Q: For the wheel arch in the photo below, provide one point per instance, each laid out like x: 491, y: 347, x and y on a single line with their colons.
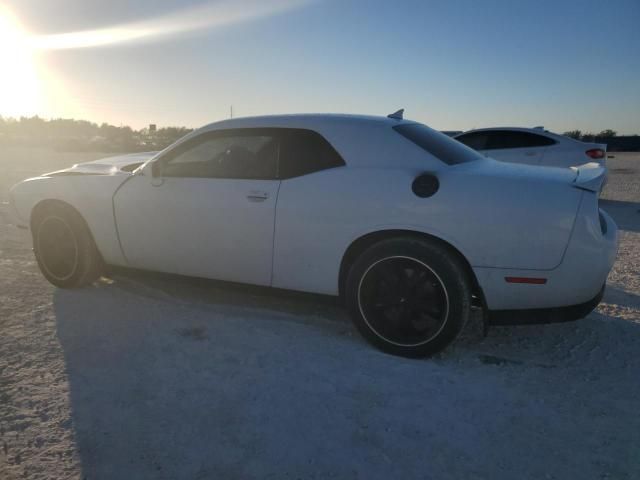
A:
x: 42, y: 205
x: 359, y: 245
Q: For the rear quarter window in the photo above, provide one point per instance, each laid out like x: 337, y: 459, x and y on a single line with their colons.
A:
x: 439, y: 145
x: 304, y: 151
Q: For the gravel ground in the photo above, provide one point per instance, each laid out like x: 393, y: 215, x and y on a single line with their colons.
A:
x: 157, y: 377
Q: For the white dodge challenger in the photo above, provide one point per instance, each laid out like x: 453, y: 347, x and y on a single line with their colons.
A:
x: 412, y: 228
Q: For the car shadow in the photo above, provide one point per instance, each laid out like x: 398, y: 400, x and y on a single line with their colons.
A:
x: 203, y: 291
x: 619, y: 296
x: 172, y: 377
x: 168, y: 375
x: 625, y: 214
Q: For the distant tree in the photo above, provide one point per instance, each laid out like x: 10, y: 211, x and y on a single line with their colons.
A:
x: 577, y: 134
x: 607, y: 133
x: 78, y: 135
x: 33, y: 128
x: 63, y: 128
x: 166, y: 136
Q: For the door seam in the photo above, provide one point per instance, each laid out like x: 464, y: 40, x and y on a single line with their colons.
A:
x: 273, y: 233
x: 115, y: 219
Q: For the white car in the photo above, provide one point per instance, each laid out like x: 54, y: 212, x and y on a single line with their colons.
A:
x: 409, y: 226
x: 533, y: 146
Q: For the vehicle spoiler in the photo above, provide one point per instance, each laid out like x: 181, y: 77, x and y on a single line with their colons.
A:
x: 590, y: 176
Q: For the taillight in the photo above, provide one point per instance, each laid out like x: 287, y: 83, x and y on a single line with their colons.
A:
x: 595, y: 153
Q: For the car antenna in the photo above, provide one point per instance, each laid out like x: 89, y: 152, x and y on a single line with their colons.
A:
x: 397, y: 115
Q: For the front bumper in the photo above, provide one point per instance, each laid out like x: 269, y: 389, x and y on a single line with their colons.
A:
x: 18, y: 230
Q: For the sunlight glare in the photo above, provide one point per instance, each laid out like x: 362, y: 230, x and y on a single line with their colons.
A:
x: 28, y: 87
x: 19, y: 85
x: 199, y: 17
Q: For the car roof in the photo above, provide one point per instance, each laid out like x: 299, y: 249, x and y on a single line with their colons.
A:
x: 300, y: 120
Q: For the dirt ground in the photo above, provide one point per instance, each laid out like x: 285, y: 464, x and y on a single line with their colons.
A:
x: 147, y: 376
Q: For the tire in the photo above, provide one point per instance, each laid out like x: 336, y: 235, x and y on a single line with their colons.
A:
x: 408, y: 297
x: 64, y: 247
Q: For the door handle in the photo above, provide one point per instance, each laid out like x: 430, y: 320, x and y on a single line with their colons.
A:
x: 255, y: 196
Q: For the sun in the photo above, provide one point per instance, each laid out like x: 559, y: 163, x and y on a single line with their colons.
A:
x: 20, y: 92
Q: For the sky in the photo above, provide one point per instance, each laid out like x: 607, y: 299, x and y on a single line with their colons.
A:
x: 454, y: 65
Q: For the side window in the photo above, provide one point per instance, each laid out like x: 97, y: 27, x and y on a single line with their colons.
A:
x: 534, y: 140
x: 229, y: 154
x: 304, y: 151
x: 475, y: 140
x: 500, y: 139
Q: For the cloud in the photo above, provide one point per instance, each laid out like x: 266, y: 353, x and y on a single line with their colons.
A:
x: 200, y: 17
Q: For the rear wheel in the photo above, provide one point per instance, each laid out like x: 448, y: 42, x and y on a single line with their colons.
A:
x: 408, y: 297
x: 64, y: 247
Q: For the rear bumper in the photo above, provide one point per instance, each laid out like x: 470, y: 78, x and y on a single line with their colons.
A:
x: 578, y: 279
x: 545, y: 315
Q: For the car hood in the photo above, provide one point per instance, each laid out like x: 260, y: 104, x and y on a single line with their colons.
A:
x: 121, y: 164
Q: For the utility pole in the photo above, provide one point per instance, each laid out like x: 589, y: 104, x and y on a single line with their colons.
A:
x: 231, y: 112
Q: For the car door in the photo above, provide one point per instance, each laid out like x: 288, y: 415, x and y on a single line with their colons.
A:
x: 207, y: 210
x: 516, y: 146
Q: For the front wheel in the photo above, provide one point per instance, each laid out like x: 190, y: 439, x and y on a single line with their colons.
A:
x: 64, y: 247
x: 408, y: 297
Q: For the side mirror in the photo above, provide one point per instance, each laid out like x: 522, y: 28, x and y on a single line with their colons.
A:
x: 156, y: 169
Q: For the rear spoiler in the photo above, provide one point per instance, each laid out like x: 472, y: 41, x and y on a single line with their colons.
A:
x: 590, y: 176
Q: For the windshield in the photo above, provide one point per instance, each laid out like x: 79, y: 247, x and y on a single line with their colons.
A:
x: 439, y: 145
